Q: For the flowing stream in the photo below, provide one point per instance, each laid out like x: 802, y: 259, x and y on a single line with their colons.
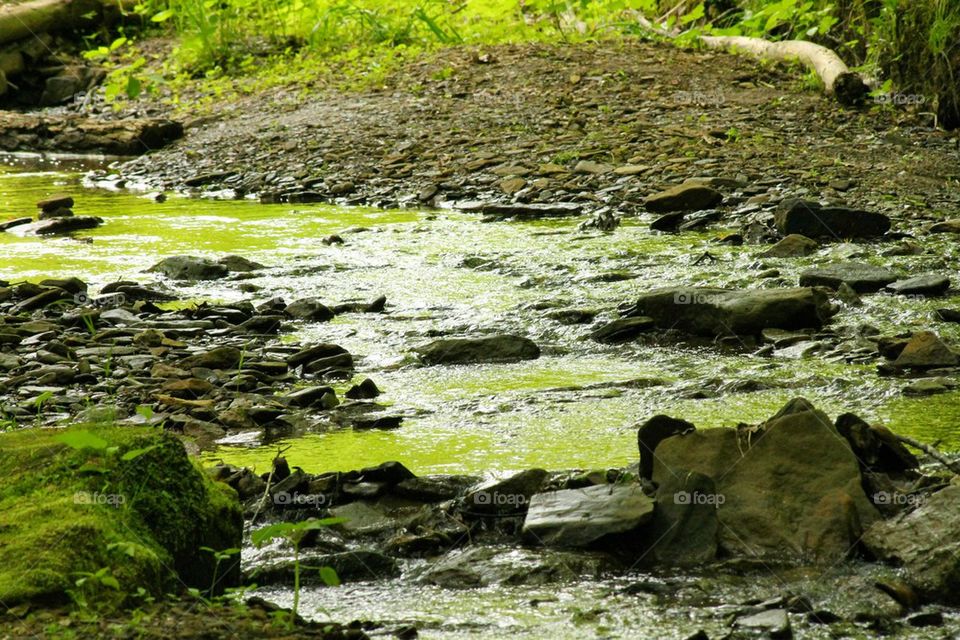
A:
x: 443, y: 271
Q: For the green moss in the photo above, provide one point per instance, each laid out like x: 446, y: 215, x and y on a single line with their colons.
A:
x: 67, y: 513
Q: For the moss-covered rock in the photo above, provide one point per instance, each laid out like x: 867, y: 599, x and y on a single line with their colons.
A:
x: 125, y: 502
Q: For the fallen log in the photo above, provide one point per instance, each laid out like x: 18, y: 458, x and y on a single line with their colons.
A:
x: 29, y: 132
x: 838, y: 81
x: 847, y: 87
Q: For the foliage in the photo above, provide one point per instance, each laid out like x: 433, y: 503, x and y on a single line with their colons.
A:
x: 294, y: 533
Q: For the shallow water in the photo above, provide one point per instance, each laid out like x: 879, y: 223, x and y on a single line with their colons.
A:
x: 574, y: 407
x: 493, y: 418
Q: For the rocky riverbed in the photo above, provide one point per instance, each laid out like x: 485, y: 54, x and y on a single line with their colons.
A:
x: 636, y: 289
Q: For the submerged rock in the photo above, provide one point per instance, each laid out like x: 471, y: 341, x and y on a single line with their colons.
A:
x: 523, y: 211
x: 716, y: 312
x: 58, y: 225
x: 814, y: 220
x: 499, y: 348
x: 487, y: 566
x: 622, y: 330
x: 190, y: 268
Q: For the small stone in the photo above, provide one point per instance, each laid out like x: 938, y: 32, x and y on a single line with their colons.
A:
x: 774, y: 622
x: 926, y: 351
x: 792, y: 246
x: 590, y: 167
x: 630, y: 169
x: 683, y: 198
x: 511, y: 185
x: 55, y: 202
x: 366, y: 390
x: 309, y: 309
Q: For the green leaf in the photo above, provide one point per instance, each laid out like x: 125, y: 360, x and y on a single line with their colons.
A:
x: 82, y: 439
x: 133, y: 454
x: 133, y: 87
x: 695, y: 14
x: 162, y: 16
x: 329, y: 576
x: 119, y: 42
x: 110, y: 581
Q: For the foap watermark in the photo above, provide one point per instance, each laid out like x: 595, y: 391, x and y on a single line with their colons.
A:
x: 498, y: 499
x: 894, y: 498
x: 303, y: 500
x: 109, y: 300
x: 96, y: 498
x: 696, y: 498
x: 900, y: 99
x: 694, y: 297
x: 700, y: 98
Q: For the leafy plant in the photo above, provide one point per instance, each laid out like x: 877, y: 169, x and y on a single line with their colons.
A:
x: 89, y: 585
x: 294, y: 533
x: 219, y: 556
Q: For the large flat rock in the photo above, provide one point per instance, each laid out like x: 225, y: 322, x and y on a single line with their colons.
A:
x: 811, y: 219
x: 717, y: 312
x: 579, y: 517
x: 861, y: 277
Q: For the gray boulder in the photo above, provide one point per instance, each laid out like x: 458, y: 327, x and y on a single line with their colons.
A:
x: 925, y: 285
x: 684, y: 527
x: 579, y: 517
x: 716, y: 312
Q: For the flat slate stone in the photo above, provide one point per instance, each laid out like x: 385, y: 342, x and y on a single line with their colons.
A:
x: 622, y: 330
x: 530, y: 211
x: 861, y: 277
x: 925, y: 285
x: 578, y: 517
x: 811, y: 219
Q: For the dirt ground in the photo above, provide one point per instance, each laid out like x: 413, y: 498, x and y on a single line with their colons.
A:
x: 513, y: 123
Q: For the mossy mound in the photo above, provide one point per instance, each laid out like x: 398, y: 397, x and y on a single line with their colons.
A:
x: 125, y: 502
